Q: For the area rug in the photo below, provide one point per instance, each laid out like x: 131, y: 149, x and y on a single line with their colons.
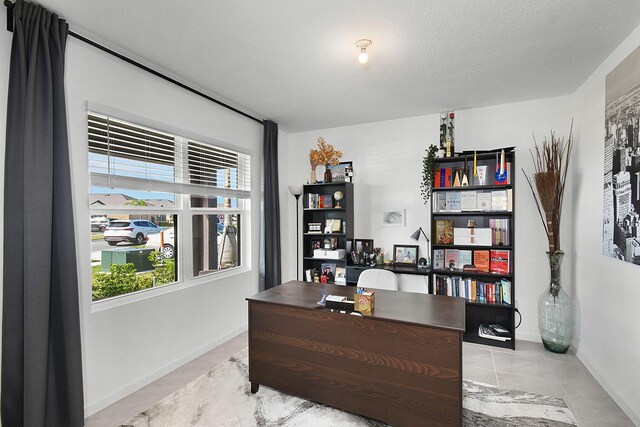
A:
x: 222, y: 397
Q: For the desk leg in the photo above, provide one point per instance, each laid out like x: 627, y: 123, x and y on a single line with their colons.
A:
x: 254, y: 387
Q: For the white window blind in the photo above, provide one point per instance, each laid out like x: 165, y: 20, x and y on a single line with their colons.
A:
x: 126, y: 155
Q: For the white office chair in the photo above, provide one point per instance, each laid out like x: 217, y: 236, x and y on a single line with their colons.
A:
x: 378, y: 279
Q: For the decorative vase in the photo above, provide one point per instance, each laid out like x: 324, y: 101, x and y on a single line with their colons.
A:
x: 327, y: 174
x: 313, y: 178
x: 555, y: 310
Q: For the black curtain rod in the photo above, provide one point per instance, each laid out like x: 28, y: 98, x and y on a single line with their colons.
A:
x: 11, y: 5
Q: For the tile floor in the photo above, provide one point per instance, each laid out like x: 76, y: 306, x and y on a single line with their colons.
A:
x: 529, y: 368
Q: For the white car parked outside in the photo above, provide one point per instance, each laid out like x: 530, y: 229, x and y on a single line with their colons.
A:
x: 134, y: 231
x: 163, y: 242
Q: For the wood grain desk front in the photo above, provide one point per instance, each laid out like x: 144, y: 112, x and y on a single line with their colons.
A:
x: 401, y: 365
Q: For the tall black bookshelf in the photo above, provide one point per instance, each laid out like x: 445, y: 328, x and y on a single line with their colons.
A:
x: 335, y: 219
x: 458, y: 228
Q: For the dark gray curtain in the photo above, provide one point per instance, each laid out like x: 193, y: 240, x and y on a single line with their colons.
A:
x: 272, y: 256
x: 41, y: 358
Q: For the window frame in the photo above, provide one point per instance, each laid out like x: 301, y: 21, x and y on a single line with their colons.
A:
x: 182, y: 208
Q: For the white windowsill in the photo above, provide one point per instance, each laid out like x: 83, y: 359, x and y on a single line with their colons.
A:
x: 145, y: 294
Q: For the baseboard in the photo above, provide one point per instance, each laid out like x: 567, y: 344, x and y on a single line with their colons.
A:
x: 94, y: 407
x: 627, y: 409
x: 527, y: 337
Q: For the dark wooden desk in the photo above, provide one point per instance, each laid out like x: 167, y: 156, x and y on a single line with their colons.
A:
x: 401, y: 365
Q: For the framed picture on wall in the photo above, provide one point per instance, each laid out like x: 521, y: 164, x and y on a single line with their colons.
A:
x: 405, y: 254
x: 393, y: 218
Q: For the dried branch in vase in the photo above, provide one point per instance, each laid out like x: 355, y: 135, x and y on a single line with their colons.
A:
x: 551, y: 163
x: 324, y: 155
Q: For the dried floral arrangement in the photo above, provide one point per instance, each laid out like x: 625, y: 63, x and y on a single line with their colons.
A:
x: 324, y: 155
x: 550, y: 162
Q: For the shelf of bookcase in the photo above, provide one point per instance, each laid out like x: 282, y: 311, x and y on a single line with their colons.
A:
x: 471, y: 247
x: 477, y: 339
x: 472, y: 274
x: 325, y: 234
x: 310, y: 258
x: 473, y: 213
x: 490, y: 304
x: 473, y: 187
x: 325, y: 209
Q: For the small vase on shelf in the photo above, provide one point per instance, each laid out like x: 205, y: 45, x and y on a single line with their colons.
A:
x: 313, y: 178
x: 555, y: 310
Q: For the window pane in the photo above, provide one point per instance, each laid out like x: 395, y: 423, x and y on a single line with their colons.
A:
x: 100, y: 197
x: 213, y: 202
x: 216, y: 242
x: 131, y: 252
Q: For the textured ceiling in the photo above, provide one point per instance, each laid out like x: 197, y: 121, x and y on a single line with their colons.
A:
x: 294, y: 61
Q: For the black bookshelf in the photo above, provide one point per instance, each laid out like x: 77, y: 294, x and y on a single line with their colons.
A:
x: 317, y: 214
x: 477, y: 311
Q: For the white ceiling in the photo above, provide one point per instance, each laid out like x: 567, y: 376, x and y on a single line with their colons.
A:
x: 295, y: 61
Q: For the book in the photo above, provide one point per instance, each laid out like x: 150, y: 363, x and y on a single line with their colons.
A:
x: 327, y: 202
x: 436, y: 179
x: 499, y: 200
x: 452, y: 201
x: 506, y: 291
x: 483, y: 201
x: 499, y: 231
x: 439, y: 202
x: 481, y: 260
x: 507, y: 170
x: 499, y: 261
x: 487, y: 332
x: 465, y: 257
x: 438, y: 259
x: 341, y: 276
x: 444, y: 232
x: 468, y: 201
x: 451, y: 258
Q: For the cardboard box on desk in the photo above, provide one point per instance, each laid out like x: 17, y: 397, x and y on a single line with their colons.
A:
x: 329, y: 254
x: 472, y: 236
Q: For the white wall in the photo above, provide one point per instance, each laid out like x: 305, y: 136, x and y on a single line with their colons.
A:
x: 127, y: 346
x: 608, y: 290
x: 387, y: 160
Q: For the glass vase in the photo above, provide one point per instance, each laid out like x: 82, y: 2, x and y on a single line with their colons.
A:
x: 555, y: 310
x: 313, y: 178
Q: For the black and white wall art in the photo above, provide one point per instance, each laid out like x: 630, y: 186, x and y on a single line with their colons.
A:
x: 621, y: 198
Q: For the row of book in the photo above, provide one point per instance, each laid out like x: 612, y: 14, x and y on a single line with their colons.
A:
x: 473, y: 201
x: 498, y: 233
x: 319, y: 201
x: 328, y: 273
x: 461, y: 176
x: 483, y: 261
x: 494, y: 332
x: 473, y: 290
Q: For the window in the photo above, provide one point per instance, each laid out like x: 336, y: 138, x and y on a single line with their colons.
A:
x: 146, y: 185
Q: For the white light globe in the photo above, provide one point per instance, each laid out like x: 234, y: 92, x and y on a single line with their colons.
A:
x: 363, y: 57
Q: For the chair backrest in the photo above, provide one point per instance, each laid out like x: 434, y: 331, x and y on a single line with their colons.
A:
x: 378, y: 279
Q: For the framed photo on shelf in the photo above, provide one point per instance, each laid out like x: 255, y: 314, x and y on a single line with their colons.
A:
x: 405, y: 254
x: 393, y: 218
x: 327, y: 273
x: 315, y: 244
x: 332, y: 225
x: 342, y: 172
x: 364, y: 245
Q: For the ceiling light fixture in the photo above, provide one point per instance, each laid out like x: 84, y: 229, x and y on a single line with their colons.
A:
x: 363, y: 44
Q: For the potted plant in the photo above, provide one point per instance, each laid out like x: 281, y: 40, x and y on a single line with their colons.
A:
x: 428, y: 172
x: 555, y: 308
